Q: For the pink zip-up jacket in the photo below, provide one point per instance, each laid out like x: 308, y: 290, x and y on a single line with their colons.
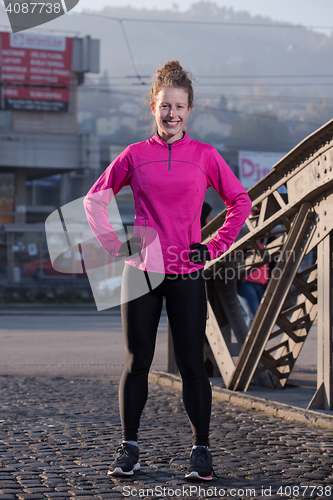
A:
x: 169, y: 182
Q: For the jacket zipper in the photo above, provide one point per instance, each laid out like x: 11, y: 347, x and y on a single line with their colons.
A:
x: 169, y: 156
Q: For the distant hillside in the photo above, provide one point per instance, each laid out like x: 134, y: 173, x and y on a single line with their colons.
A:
x: 226, y: 50
x: 240, y: 57
x: 203, y: 49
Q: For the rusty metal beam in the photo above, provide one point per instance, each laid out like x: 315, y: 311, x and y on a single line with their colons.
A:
x: 281, y: 324
x: 323, y: 397
x: 276, y: 292
x: 219, y: 347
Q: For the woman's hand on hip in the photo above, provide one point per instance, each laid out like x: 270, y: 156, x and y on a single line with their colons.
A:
x: 130, y: 247
x: 200, y: 254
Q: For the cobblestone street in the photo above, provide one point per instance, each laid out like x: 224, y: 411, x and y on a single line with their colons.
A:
x: 57, y: 437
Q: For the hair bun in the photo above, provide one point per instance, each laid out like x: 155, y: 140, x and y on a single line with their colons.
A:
x: 173, y: 66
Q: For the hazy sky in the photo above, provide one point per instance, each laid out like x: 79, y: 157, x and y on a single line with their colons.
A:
x: 306, y: 12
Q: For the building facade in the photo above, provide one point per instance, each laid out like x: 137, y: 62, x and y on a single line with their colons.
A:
x: 44, y: 161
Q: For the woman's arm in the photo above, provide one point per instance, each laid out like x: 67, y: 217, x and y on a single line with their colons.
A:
x: 113, y: 179
x: 238, y: 203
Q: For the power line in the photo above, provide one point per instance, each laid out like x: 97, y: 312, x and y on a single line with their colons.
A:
x: 130, y: 91
x: 224, y: 76
x: 264, y: 76
x: 263, y: 98
x: 209, y: 23
x: 237, y: 112
x: 237, y: 83
x: 127, y: 77
x: 130, y: 51
x: 249, y: 84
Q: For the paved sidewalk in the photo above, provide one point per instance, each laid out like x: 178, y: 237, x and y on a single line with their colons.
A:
x: 64, y: 342
x: 79, y: 341
x: 59, y: 420
x: 57, y: 437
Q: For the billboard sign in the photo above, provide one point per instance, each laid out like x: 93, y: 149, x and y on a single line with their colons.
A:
x: 254, y: 165
x: 35, y: 72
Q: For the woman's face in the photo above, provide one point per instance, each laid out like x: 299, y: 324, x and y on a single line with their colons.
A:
x: 171, y: 111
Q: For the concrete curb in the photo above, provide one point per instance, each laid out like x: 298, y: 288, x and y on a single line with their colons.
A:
x: 55, y: 309
x: 59, y: 309
x: 278, y: 410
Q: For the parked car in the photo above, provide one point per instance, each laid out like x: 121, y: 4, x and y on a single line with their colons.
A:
x: 37, y: 270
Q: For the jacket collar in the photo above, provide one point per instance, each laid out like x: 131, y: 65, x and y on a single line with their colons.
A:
x: 181, y: 142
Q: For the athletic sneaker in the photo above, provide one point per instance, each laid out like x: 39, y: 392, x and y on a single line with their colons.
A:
x: 126, y: 462
x: 200, y: 468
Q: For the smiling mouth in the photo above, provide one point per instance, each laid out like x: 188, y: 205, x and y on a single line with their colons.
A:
x: 171, y: 123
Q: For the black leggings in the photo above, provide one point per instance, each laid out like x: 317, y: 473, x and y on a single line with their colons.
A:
x: 186, y: 308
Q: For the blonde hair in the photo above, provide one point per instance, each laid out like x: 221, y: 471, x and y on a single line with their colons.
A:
x: 171, y: 74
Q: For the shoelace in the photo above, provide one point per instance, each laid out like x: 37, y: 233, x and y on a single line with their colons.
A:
x: 124, y: 451
x: 200, y: 455
x: 121, y: 449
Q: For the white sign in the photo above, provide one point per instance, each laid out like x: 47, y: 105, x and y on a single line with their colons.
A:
x: 32, y: 249
x: 254, y: 165
x: 41, y: 42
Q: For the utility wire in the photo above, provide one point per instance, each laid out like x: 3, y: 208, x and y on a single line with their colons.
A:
x: 132, y: 93
x: 227, y: 76
x: 249, y: 84
x: 264, y: 76
x: 242, y: 113
x: 265, y: 98
x: 126, y: 77
x: 216, y: 23
x: 98, y: 88
x: 131, y: 53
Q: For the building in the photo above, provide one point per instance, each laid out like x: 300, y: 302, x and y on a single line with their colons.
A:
x: 44, y: 161
x: 114, y: 121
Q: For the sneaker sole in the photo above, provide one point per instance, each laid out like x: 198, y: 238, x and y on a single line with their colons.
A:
x: 196, y: 477
x: 118, y: 471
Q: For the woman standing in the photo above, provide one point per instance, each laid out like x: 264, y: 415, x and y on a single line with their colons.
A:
x: 169, y: 175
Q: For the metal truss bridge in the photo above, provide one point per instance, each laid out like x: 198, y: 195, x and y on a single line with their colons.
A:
x: 295, y: 202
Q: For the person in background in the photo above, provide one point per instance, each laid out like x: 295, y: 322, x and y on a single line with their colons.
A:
x: 253, y: 286
x: 169, y: 175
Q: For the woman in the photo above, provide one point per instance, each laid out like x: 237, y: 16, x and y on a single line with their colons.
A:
x: 169, y: 175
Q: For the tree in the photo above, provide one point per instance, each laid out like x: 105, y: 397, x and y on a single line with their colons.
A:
x: 259, y: 133
x: 316, y: 116
x: 223, y: 103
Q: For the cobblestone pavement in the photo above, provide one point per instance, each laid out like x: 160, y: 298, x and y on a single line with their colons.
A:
x: 57, y: 437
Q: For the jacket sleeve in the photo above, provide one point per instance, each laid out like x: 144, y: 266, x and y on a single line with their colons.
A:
x: 115, y: 177
x: 238, y: 203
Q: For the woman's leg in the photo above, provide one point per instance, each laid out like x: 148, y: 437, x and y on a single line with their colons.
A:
x: 140, y: 318
x: 187, y: 310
